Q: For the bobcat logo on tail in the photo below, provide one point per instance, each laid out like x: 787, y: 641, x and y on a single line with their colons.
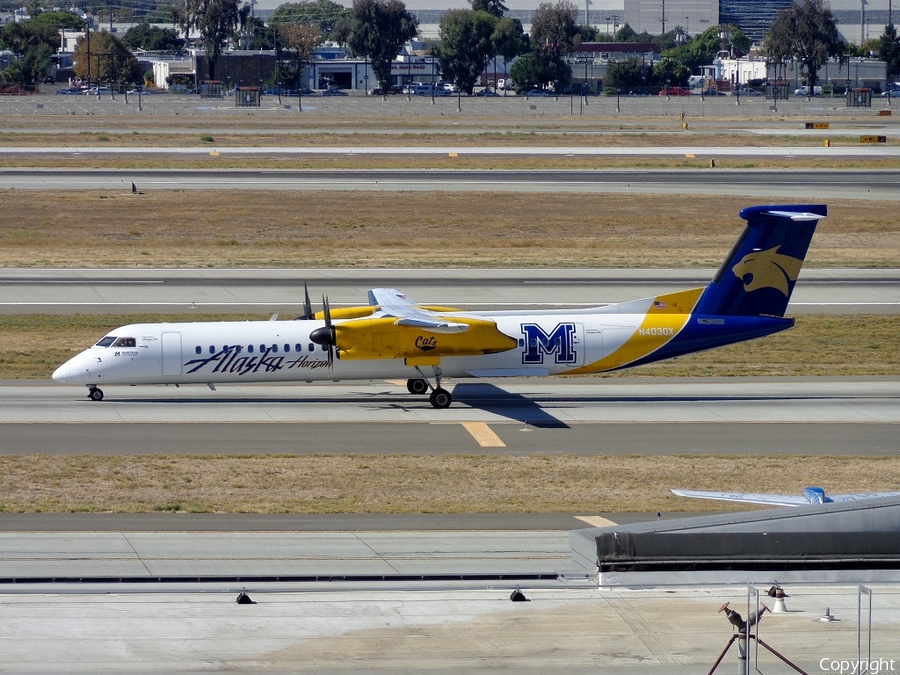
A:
x: 768, y: 269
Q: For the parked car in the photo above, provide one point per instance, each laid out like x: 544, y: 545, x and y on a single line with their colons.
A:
x: 487, y: 91
x: 538, y: 92
x: 805, y: 91
x: 714, y: 92
x: 393, y: 90
x: 675, y: 91
x: 334, y: 91
x: 430, y: 90
x: 505, y: 84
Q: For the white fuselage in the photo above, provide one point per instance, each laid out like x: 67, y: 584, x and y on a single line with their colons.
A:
x: 279, y: 351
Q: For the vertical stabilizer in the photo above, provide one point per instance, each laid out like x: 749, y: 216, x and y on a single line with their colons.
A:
x: 758, y: 276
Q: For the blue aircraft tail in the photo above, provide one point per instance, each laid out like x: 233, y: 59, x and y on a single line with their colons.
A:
x: 758, y: 276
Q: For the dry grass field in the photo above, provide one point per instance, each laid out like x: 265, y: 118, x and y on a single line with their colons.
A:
x: 413, y: 484
x: 113, y: 228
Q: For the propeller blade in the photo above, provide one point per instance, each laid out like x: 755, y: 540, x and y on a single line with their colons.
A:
x: 325, y: 335
x: 307, y: 305
x: 330, y: 327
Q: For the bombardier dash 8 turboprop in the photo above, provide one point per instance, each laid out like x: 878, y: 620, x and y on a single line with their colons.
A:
x: 393, y: 337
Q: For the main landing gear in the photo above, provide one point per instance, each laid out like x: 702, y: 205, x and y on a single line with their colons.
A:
x: 440, y: 398
x: 95, y: 393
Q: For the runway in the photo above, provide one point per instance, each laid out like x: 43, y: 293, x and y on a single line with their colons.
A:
x: 186, y: 291
x: 544, y: 416
x: 814, y: 185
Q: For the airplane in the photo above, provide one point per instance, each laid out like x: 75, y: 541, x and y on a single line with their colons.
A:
x: 394, y: 337
x: 811, y: 495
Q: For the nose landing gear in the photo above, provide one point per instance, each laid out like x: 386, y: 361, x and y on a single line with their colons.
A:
x: 95, y: 393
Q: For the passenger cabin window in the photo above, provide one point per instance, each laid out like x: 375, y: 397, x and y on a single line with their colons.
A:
x: 107, y: 341
x: 198, y: 349
x: 125, y: 342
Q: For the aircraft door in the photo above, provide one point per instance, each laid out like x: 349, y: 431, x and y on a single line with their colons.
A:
x: 171, y: 354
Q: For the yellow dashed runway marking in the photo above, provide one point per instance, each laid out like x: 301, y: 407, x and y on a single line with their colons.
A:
x: 596, y: 521
x: 482, y: 433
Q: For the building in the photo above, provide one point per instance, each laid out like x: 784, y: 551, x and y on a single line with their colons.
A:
x: 856, y: 72
x: 753, y: 17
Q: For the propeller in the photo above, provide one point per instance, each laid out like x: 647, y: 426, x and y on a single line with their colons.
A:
x: 307, y: 305
x: 326, y: 335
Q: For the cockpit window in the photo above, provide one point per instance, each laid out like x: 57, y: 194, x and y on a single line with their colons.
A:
x: 125, y: 342
x: 107, y: 341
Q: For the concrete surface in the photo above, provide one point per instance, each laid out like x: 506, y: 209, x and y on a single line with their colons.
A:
x: 568, y: 626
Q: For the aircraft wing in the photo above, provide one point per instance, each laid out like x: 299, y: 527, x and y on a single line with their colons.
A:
x: 862, y: 495
x: 393, y: 303
x: 745, y: 497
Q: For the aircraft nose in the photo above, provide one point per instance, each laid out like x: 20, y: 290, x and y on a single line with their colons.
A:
x: 61, y: 374
x: 73, y: 370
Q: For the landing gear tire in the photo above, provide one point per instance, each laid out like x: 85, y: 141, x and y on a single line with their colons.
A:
x: 95, y: 394
x: 416, y: 385
x: 441, y: 398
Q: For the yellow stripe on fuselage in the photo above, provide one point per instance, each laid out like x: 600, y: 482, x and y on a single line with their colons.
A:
x: 664, y: 320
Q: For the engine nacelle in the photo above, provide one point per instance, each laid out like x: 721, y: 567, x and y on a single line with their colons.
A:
x: 382, y: 338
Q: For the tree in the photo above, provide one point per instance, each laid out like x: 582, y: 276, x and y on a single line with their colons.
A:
x: 33, y: 44
x: 57, y: 21
x: 530, y: 71
x: 509, y: 40
x: 261, y: 35
x: 298, y: 41
x: 808, y: 33
x: 553, y: 37
x: 628, y: 73
x: 30, y: 67
x: 701, y: 49
x: 889, y: 51
x: 110, y: 59
x: 670, y: 73
x: 152, y: 38
x: 377, y: 30
x: 494, y: 7
x: 185, y: 16
x: 324, y: 14
x: 216, y: 21
x: 466, y: 45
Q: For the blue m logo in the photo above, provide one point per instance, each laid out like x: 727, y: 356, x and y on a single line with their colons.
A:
x: 560, y: 342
